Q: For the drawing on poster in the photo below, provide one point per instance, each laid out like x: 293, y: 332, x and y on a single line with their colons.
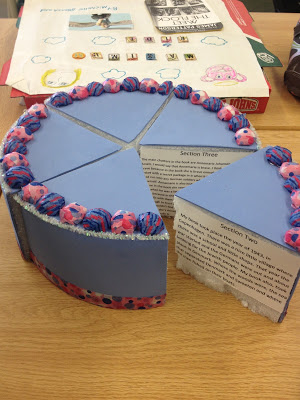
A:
x: 266, y: 57
x: 113, y: 74
x: 168, y: 73
x: 55, y: 39
x: 60, y: 78
x: 40, y: 59
x: 213, y: 40
x: 223, y: 75
x: 103, y: 40
x: 96, y: 22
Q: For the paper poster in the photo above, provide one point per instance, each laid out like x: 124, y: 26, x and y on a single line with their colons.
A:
x: 179, y: 16
x: 59, y: 46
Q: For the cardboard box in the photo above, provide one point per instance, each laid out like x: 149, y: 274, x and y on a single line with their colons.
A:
x: 242, y: 18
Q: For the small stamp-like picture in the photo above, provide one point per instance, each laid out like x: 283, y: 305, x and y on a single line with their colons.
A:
x: 149, y: 39
x: 194, y: 2
x: 187, y: 10
x: 131, y: 39
x: 132, y: 56
x: 114, y: 57
x: 161, y: 3
x: 178, y: 3
x: 182, y: 39
x: 170, y: 11
x: 200, y: 9
x: 96, y: 22
x: 158, y: 12
x: 96, y: 55
x: 172, y: 57
x: 190, y: 57
x: 166, y: 39
x: 150, y: 56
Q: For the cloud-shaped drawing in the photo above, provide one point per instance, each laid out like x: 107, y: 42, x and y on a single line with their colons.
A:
x: 169, y: 73
x: 214, y: 40
x: 40, y: 59
x: 103, y: 40
x: 113, y: 74
x: 55, y: 39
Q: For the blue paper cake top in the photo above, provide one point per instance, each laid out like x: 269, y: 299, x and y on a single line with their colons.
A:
x: 249, y: 193
x: 122, y: 115
x: 117, y: 182
x: 60, y: 146
x: 182, y: 123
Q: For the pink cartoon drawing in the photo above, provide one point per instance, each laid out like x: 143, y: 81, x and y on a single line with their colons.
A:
x: 223, y: 75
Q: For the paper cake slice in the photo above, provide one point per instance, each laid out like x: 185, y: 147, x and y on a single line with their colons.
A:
x: 60, y: 146
x: 123, y: 115
x: 230, y: 231
x: 111, y: 265
x: 184, y: 144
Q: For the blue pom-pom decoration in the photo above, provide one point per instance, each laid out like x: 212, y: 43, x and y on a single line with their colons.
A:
x: 212, y: 104
x: 131, y: 84
x: 17, y: 177
x: 60, y: 99
x: 277, y: 155
x: 97, y: 220
x: 30, y: 122
x: 150, y: 223
x: 292, y: 183
x: 237, y: 122
x: 165, y: 88
x: 295, y: 218
x: 50, y: 204
x: 182, y: 91
x: 95, y: 88
x: 14, y: 144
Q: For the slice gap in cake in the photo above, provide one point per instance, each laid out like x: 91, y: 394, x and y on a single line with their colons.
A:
x: 119, y: 116
x: 230, y: 229
x: 60, y: 146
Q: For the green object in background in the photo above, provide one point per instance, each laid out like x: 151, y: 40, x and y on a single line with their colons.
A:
x: 264, y: 56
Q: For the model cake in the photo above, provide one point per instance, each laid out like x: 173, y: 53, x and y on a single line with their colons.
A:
x: 238, y: 230
x: 74, y: 184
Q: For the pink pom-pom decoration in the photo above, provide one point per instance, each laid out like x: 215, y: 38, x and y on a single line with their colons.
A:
x: 295, y: 197
x: 21, y: 133
x: 149, y: 85
x: 79, y: 93
x: 288, y: 169
x: 292, y: 238
x: 198, y: 96
x: 123, y: 222
x: 111, y: 86
x: 227, y: 112
x: 14, y: 159
x: 33, y: 192
x: 244, y: 137
x: 38, y: 110
x: 72, y: 214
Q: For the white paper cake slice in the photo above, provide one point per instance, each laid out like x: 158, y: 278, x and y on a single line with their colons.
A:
x: 230, y: 231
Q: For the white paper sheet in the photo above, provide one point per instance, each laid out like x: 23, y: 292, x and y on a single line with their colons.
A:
x: 42, y: 62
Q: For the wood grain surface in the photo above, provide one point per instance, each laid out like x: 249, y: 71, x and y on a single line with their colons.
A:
x: 201, y: 345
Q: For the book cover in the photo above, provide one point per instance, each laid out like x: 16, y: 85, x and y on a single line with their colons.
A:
x: 175, y: 16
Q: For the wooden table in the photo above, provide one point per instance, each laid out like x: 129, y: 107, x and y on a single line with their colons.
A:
x: 200, y: 345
